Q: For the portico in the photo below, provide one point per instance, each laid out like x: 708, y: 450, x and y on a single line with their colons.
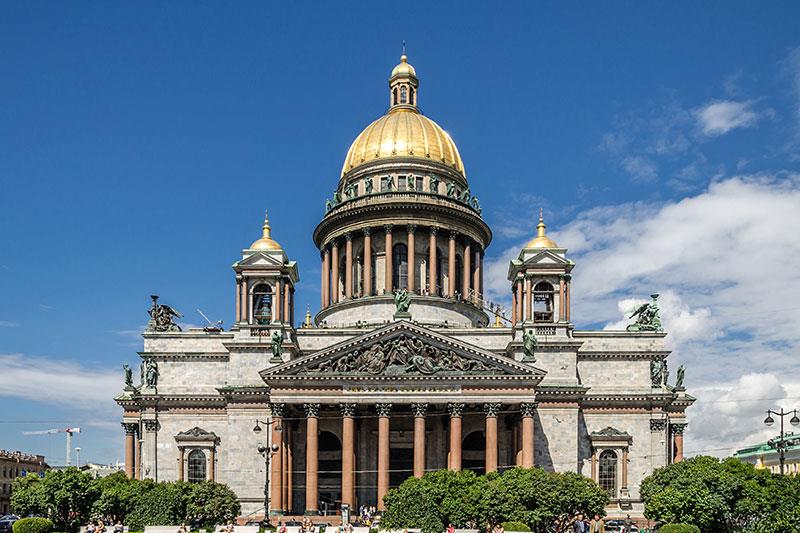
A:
x: 422, y: 401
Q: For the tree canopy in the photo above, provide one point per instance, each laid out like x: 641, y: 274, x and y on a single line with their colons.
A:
x: 714, y: 495
x: 531, y: 496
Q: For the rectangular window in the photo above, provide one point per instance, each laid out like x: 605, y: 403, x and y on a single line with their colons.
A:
x: 401, y: 183
x: 384, y: 184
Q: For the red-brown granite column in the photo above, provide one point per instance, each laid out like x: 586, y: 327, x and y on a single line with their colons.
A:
x: 561, y: 299
x: 326, y: 278
x: 367, y: 262
x: 130, y: 446
x: 384, y: 409
x: 276, y: 303
x: 335, y: 291
x: 527, y: 411
x: 238, y: 310
x: 456, y: 410
x: 520, y: 315
x: 276, y: 474
x: 287, y: 305
x: 348, y: 275
x: 312, y: 458
x: 465, y: 275
x: 181, y: 463
x: 387, y: 270
x: 528, y: 299
x: 567, y: 298
x: 419, y: 410
x: 348, y: 453
x: 477, y: 277
x: 451, y: 265
x: 491, y: 410
x: 433, y: 288
x: 412, y: 260
x: 513, y: 307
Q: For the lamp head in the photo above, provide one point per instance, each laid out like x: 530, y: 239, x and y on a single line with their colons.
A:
x: 257, y: 429
x: 794, y: 420
x: 769, y: 421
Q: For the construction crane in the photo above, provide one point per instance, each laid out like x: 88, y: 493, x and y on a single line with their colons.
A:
x: 68, y: 431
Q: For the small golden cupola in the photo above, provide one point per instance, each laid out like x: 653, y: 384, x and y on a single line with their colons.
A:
x: 541, y: 240
x: 265, y: 242
x: 403, y: 85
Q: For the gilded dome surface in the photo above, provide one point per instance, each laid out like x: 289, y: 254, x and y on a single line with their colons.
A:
x: 541, y: 240
x: 403, y: 133
x: 266, y: 242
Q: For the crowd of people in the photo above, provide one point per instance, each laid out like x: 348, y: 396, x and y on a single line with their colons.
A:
x: 99, y: 526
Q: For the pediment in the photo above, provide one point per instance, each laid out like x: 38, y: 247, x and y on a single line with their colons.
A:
x: 545, y: 257
x: 402, y: 351
x: 262, y: 259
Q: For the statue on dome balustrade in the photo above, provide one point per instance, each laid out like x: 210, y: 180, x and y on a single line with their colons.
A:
x: 368, y: 186
x: 434, y: 185
x: 451, y: 189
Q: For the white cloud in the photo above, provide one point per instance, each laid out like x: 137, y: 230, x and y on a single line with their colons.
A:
x: 724, y: 262
x: 8, y: 324
x: 641, y: 169
x: 718, y: 118
x: 59, y: 382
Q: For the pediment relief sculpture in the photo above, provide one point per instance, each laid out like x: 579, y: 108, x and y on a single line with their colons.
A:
x: 403, y: 355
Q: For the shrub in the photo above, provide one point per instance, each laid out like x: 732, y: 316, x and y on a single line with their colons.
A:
x: 516, y: 526
x: 33, y: 525
x: 679, y: 528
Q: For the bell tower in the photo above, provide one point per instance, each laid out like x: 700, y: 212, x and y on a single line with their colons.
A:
x: 265, y: 289
x: 540, y: 285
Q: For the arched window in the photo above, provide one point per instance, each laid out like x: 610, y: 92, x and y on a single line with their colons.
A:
x: 196, y: 466
x: 262, y: 303
x: 411, y: 100
x: 543, y: 302
x: 403, y: 95
x: 394, y: 96
x: 342, y: 273
x: 607, y: 475
x: 400, y: 266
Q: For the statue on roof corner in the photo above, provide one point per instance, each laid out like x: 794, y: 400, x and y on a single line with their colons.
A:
x: 647, y: 316
x: 277, y: 347
x: 161, y: 317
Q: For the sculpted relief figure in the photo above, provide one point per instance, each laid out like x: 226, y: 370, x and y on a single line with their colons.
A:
x: 402, y: 355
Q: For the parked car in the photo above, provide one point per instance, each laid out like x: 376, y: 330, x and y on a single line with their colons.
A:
x: 6, y: 522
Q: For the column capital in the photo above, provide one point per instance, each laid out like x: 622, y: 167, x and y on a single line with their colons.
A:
x: 311, y: 409
x: 347, y: 409
x: 387, y: 228
x: 657, y: 424
x: 565, y: 277
x: 491, y: 409
x: 455, y: 409
x: 434, y: 230
x: 130, y: 427
x: 277, y: 409
x: 412, y: 228
x: 419, y: 409
x: 678, y: 428
x: 453, y: 234
x: 348, y: 236
x: 384, y: 409
x: 528, y: 408
x: 151, y: 425
x: 367, y: 231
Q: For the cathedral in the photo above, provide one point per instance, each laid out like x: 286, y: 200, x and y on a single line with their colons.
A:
x: 406, y: 367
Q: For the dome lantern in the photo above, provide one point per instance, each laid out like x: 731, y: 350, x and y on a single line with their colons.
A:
x: 403, y: 85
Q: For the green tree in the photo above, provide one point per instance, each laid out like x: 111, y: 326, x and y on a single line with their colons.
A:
x: 209, y: 504
x: 715, y: 495
x: 70, y: 495
x: 117, y: 496
x: 158, y: 504
x: 28, y: 496
x: 530, y: 496
x: 33, y: 525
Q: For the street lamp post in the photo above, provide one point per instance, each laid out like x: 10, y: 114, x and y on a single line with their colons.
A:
x: 781, y: 444
x: 266, y: 452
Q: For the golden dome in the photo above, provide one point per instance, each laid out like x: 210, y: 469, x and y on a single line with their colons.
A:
x: 541, y: 240
x: 403, y: 133
x: 265, y: 242
x: 404, y: 68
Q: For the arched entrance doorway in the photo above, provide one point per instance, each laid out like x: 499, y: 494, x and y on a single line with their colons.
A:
x: 473, y: 452
x: 330, y: 472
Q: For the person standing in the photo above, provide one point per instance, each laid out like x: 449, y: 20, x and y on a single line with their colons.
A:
x: 579, y: 526
x: 597, y: 525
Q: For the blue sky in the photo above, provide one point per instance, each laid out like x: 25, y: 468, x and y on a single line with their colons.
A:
x: 140, y: 144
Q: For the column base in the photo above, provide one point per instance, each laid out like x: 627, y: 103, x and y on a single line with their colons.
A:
x: 311, y: 512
